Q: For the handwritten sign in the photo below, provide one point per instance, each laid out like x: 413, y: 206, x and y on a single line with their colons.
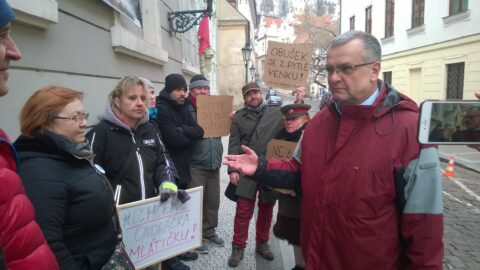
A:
x: 154, y: 231
x: 212, y: 115
x: 280, y: 149
x: 287, y: 65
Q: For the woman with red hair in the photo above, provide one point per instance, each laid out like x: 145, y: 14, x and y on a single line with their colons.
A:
x: 71, y: 196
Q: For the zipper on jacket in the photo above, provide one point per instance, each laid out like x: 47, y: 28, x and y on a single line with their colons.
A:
x: 116, y: 196
x: 140, y: 166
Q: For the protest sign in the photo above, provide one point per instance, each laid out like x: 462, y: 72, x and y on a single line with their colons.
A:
x: 212, y: 115
x: 287, y: 65
x: 280, y: 149
x: 154, y: 231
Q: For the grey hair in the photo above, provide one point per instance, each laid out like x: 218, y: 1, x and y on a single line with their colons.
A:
x: 370, y: 43
x: 147, y: 83
x: 125, y: 84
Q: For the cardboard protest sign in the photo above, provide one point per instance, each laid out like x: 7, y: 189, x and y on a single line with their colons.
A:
x: 154, y: 231
x: 287, y: 65
x: 280, y: 149
x: 212, y: 115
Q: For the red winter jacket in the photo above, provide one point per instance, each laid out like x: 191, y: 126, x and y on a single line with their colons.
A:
x: 372, y: 195
x: 21, y: 240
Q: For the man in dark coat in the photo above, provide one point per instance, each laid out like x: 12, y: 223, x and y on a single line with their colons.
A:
x: 179, y: 131
x: 177, y: 125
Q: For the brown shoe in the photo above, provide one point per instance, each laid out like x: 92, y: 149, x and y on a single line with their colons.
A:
x: 264, y: 250
x: 236, y: 257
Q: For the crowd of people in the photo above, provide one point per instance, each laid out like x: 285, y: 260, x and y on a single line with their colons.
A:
x: 59, y: 184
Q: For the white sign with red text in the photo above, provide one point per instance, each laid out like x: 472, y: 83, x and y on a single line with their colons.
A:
x: 154, y: 231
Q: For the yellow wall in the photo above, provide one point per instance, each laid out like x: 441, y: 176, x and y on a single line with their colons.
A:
x: 422, y: 73
x: 231, y: 69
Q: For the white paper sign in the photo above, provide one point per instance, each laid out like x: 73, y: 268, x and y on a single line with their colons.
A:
x: 154, y: 231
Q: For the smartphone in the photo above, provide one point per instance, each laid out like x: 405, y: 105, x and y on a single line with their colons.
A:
x: 449, y: 122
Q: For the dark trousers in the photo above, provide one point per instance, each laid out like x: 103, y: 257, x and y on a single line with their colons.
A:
x: 210, y: 180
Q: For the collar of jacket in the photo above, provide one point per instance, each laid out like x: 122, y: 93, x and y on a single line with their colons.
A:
x: 53, y: 145
x: 256, y: 109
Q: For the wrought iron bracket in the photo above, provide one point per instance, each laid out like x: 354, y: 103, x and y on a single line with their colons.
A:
x: 182, y: 21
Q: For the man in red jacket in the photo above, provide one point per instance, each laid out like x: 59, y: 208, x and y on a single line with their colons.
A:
x: 22, y: 244
x: 372, y: 196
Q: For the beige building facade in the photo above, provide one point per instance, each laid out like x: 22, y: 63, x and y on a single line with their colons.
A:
x: 233, y: 33
x: 423, y: 73
x: 431, y: 48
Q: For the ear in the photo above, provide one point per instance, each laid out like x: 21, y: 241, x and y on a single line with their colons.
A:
x: 117, y: 102
x: 375, y: 71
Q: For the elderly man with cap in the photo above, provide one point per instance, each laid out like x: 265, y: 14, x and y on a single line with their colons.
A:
x: 254, y: 125
x: 22, y: 243
x: 179, y: 132
x: 205, y: 168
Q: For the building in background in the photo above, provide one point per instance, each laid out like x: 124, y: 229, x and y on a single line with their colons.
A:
x: 88, y: 45
x: 236, y: 22
x: 431, y: 48
x: 308, y: 22
x: 270, y: 29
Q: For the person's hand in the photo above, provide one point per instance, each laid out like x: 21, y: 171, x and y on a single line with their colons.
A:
x: 183, y: 196
x: 231, y: 115
x: 477, y: 94
x: 246, y: 163
x: 300, y: 94
x: 234, y: 177
x: 166, y: 190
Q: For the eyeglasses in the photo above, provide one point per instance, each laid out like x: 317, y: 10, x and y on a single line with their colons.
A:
x: 77, y: 118
x: 346, y: 69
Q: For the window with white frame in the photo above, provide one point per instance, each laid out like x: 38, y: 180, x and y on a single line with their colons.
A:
x: 148, y: 44
x: 418, y: 10
x: 368, y: 20
x: 457, y: 6
x: 389, y: 17
x: 38, y: 13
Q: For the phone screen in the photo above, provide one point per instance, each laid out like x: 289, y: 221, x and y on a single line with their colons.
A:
x: 449, y: 122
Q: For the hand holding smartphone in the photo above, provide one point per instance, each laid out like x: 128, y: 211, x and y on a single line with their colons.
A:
x: 449, y: 122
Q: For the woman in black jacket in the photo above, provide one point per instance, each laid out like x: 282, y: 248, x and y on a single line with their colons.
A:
x: 130, y: 149
x: 72, y: 198
x: 287, y: 226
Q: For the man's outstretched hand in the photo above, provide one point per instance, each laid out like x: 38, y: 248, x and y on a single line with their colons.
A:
x: 246, y: 163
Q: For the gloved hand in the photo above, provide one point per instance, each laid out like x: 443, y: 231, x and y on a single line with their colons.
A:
x: 183, y: 196
x: 166, y: 189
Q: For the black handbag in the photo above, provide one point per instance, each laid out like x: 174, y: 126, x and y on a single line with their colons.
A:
x: 231, y: 192
x: 119, y: 259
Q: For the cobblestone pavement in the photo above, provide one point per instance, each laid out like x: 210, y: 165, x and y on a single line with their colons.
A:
x: 217, y: 257
x: 461, y: 198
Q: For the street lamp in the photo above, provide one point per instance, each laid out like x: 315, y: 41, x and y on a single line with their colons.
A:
x: 246, y: 51
x: 252, y: 72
